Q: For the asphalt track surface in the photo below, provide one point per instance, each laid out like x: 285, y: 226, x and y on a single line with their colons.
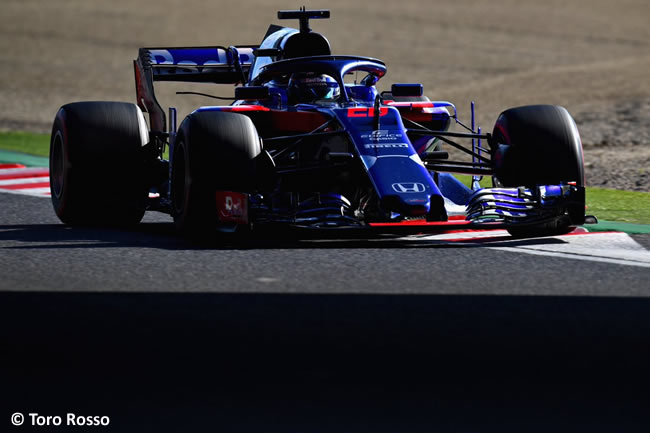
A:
x: 356, y: 337
x: 39, y: 253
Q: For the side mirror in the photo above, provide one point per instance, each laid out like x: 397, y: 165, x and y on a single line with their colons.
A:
x: 407, y: 89
x: 252, y: 93
x: 267, y: 52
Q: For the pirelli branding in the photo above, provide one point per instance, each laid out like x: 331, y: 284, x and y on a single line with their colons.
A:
x: 385, y: 145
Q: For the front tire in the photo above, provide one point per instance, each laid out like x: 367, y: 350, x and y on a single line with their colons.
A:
x: 214, y: 151
x: 540, y: 145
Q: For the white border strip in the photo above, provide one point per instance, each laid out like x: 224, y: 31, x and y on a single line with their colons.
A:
x: 625, y: 262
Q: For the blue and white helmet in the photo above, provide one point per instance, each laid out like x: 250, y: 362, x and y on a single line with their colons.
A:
x: 308, y: 87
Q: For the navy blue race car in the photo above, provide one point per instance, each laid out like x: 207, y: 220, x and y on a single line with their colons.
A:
x: 307, y: 141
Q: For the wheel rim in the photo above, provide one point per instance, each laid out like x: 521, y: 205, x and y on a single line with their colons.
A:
x: 57, y: 166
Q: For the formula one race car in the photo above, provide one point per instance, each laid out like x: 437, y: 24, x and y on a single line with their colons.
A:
x: 309, y: 142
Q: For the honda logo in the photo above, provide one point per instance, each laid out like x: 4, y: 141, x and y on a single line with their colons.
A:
x: 406, y: 187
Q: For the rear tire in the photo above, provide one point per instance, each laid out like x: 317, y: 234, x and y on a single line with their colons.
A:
x: 540, y: 145
x: 214, y: 151
x: 97, y: 174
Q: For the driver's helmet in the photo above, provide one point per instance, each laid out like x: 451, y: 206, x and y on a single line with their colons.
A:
x: 307, y: 87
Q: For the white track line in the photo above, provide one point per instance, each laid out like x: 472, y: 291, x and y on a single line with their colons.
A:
x: 36, y: 192
x: 465, y: 236
x: 34, y: 170
x: 24, y: 181
x: 640, y: 263
x: 617, y: 248
x: 609, y: 247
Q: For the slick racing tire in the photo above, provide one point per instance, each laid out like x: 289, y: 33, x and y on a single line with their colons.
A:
x: 214, y: 151
x: 97, y: 163
x: 539, y: 145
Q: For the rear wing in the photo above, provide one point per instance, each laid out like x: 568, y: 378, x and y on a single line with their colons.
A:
x: 187, y: 64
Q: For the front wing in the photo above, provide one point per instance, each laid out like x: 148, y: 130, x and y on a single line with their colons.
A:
x: 488, y: 209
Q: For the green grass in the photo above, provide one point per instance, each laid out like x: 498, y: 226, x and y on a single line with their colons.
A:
x: 615, y: 205
x: 606, y: 204
x: 26, y: 142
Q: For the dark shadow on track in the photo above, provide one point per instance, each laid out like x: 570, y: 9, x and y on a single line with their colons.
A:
x: 325, y: 363
x: 164, y: 236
